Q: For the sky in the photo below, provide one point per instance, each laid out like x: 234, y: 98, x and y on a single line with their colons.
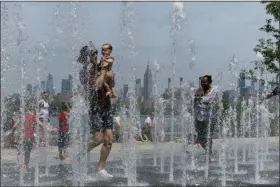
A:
x: 54, y: 32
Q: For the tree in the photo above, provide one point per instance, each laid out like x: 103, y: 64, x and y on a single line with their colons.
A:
x: 56, y: 102
x: 270, y: 48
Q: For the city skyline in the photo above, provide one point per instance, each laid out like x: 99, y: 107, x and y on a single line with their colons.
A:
x: 245, y: 84
x: 66, y: 86
x: 211, y: 29
x: 145, y: 91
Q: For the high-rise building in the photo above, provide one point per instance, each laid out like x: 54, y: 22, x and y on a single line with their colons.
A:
x: 169, y: 84
x: 70, y: 79
x: 148, y: 84
x: 28, y: 89
x: 43, y: 86
x: 181, y: 80
x: 242, y: 79
x: 125, y: 91
x: 253, y: 84
x: 49, y: 84
x: 138, y: 90
x: 36, y: 90
x: 67, y: 85
x: 64, y: 86
x: 199, y: 84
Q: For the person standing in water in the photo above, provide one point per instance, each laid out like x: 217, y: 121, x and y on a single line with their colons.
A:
x: 63, y: 137
x: 205, y: 103
x: 28, y: 136
x: 155, y: 130
x: 43, y: 118
x: 100, y: 118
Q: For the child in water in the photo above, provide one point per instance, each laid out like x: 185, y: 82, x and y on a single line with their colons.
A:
x: 63, y: 138
x: 29, y: 138
x: 106, y: 78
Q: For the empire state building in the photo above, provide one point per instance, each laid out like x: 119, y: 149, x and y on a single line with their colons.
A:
x: 148, y: 84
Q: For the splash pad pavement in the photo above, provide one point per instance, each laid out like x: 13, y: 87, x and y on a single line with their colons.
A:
x: 153, y: 165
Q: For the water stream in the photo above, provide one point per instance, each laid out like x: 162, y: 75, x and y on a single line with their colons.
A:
x: 178, y: 16
x: 4, y: 62
x: 127, y: 32
x: 254, y: 117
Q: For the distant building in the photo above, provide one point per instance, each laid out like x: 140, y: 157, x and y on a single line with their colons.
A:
x: 253, y: 85
x: 70, y: 79
x: 64, y: 86
x: 28, y: 89
x: 36, y: 90
x: 229, y: 95
x: 43, y: 86
x: 199, y: 84
x: 181, y: 80
x: 169, y: 84
x: 125, y: 91
x: 148, y: 84
x: 49, y: 84
x: 138, y: 90
x: 67, y: 86
x: 242, y: 80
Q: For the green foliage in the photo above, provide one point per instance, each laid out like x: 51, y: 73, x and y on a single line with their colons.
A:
x: 270, y: 48
x: 55, y: 105
x: 225, y: 104
x: 274, y: 127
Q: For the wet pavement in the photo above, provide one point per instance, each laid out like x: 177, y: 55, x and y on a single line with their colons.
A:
x: 151, y: 170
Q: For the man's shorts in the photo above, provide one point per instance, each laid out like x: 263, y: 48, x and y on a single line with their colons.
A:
x: 27, y: 147
x: 100, y: 118
x: 101, y: 121
x: 63, y: 139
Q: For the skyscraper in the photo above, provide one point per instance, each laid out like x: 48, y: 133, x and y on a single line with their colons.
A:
x: 67, y: 85
x: 43, y: 86
x: 181, y: 80
x: 125, y: 91
x: 199, y: 84
x: 169, y: 84
x: 28, y: 89
x: 138, y: 88
x: 36, y: 90
x: 70, y: 79
x: 242, y: 79
x: 49, y: 84
x: 148, y: 84
x: 64, y: 86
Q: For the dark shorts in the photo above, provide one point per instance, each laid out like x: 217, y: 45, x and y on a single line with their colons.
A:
x: 27, y: 147
x: 100, y: 118
x: 63, y: 139
x: 201, y: 128
x: 101, y: 121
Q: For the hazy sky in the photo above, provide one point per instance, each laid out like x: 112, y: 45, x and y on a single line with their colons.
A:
x: 218, y: 29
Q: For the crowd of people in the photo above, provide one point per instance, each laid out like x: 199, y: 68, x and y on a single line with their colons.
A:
x: 98, y: 82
